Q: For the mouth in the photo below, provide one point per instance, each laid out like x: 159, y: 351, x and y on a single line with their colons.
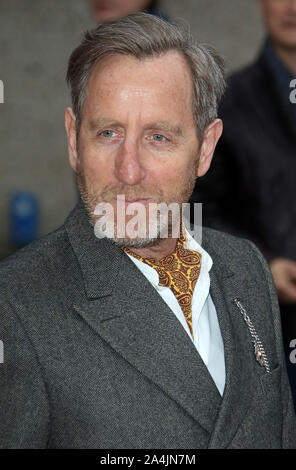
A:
x: 289, y: 24
x: 141, y: 200
x: 126, y: 200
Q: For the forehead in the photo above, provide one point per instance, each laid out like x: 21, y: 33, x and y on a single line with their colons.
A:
x: 164, y: 79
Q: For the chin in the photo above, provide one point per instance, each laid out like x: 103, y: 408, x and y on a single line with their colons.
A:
x: 135, y: 243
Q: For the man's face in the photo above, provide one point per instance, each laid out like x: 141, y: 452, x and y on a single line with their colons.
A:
x: 138, y: 136
x: 109, y: 10
x: 280, y: 21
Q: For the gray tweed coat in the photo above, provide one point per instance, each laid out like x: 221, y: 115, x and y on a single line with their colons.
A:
x: 94, y: 358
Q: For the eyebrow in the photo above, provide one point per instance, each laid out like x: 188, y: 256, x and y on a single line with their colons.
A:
x: 161, y: 125
x: 102, y: 122
x: 165, y: 126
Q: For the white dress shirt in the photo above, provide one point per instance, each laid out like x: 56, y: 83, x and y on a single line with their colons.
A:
x: 206, y: 330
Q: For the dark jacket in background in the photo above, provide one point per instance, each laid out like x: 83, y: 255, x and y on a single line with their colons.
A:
x: 250, y: 189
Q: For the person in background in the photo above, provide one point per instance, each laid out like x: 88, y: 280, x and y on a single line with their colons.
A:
x: 250, y: 189
x: 109, y: 10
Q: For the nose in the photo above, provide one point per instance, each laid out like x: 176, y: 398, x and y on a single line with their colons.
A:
x: 128, y: 168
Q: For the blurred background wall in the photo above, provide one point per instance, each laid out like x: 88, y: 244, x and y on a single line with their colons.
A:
x: 36, y: 39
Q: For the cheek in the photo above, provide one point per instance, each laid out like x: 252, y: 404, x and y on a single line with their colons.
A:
x: 174, y: 177
x: 96, y: 177
x: 95, y: 167
x: 276, y: 16
x: 182, y: 169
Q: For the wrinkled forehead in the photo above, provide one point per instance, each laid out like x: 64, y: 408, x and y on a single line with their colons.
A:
x: 162, y: 82
x: 169, y: 71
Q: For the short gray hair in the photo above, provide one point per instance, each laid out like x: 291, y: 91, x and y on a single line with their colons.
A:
x: 142, y: 35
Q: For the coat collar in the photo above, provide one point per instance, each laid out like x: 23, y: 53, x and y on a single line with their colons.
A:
x: 99, y: 260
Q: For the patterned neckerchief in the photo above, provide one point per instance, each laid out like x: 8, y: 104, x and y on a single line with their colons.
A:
x: 179, y: 271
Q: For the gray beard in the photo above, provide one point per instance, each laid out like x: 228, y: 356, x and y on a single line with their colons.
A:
x: 90, y: 201
x: 160, y: 232
x: 141, y: 243
x: 89, y: 204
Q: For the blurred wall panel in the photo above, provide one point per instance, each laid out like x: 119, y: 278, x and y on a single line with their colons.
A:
x: 36, y: 38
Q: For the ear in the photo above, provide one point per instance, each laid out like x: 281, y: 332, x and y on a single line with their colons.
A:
x: 211, y: 136
x: 70, y: 124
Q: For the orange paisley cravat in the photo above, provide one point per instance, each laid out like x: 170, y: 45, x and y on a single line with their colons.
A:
x: 179, y: 271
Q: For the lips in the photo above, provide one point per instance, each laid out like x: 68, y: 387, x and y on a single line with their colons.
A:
x: 130, y: 201
x: 133, y: 199
x: 290, y: 24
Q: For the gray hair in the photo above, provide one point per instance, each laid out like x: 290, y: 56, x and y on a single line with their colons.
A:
x: 142, y: 35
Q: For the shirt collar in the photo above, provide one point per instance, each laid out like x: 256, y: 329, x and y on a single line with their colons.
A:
x: 190, y: 244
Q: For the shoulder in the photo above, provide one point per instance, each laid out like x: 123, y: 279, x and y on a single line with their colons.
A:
x: 35, y: 255
x: 242, y: 258
x: 223, y: 243
x: 239, y: 254
x: 36, y: 265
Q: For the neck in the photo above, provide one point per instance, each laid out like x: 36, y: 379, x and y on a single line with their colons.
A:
x: 287, y: 56
x: 165, y: 247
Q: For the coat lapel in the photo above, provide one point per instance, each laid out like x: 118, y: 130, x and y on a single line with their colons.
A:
x: 125, y: 310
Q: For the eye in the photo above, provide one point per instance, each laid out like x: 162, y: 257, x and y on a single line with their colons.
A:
x: 108, y: 133
x: 159, y: 138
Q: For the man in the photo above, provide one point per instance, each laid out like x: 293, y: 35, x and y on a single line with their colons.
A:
x: 140, y: 341
x: 250, y: 188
